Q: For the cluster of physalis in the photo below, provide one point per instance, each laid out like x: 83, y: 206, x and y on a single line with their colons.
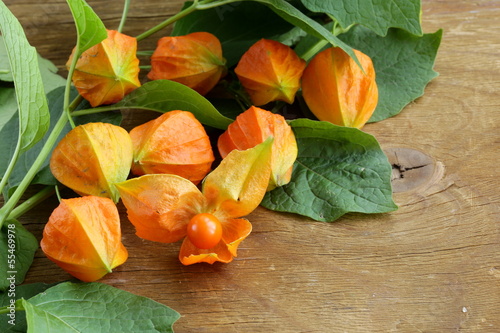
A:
x: 173, y: 193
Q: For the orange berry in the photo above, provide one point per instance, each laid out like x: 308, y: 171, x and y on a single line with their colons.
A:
x: 204, y: 231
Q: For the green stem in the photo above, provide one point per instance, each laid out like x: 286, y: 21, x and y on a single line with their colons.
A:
x: 5, y: 309
x: 144, y: 53
x: 6, y: 210
x: 10, y: 168
x: 169, y: 21
x: 4, y: 71
x: 75, y: 103
x: 93, y: 110
x: 58, y: 194
x: 126, y: 7
x: 315, y: 48
x: 67, y: 92
x: 31, y: 202
x: 207, y: 4
x: 145, y: 67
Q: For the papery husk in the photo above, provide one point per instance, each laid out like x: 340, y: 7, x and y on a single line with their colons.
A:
x: 254, y: 126
x: 83, y: 237
x: 108, y: 71
x: 270, y: 71
x: 194, y: 60
x: 174, y: 143
x: 91, y: 158
x: 337, y: 90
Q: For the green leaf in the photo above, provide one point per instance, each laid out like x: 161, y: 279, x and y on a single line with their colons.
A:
x: 8, y: 102
x: 44, y: 176
x: 48, y: 70
x: 9, y: 106
x: 376, y: 15
x: 299, y: 19
x: 165, y: 95
x: 90, y: 29
x: 403, y: 65
x: 95, y: 307
x: 5, y: 71
x: 23, y: 59
x: 17, y: 248
x: 237, y: 25
x: 23, y: 291
x: 338, y: 170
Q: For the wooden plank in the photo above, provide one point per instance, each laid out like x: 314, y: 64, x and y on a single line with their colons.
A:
x: 431, y: 266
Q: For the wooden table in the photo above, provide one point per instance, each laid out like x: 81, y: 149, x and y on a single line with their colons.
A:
x: 431, y: 266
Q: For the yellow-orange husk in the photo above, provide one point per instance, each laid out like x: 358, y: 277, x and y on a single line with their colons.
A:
x: 270, y: 71
x: 108, y: 71
x: 194, y: 60
x: 336, y: 89
x: 91, y: 158
x: 254, y: 126
x: 175, y: 143
x: 83, y: 237
x: 161, y: 205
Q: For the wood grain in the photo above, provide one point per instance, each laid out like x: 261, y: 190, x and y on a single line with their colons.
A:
x: 431, y: 266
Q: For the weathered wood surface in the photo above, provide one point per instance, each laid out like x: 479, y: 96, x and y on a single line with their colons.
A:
x: 431, y: 266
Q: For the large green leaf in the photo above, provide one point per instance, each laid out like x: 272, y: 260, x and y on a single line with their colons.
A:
x: 376, y: 15
x: 17, y: 248
x: 95, y: 307
x: 44, y: 176
x: 8, y: 102
x: 31, y: 101
x: 5, y: 72
x: 17, y: 321
x: 90, y: 29
x: 237, y: 25
x: 338, y: 170
x: 48, y: 70
x: 403, y: 64
x: 9, y: 108
x: 165, y: 95
x: 291, y: 14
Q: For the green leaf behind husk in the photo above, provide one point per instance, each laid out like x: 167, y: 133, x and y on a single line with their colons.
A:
x: 338, y: 170
x: 376, y: 15
x: 403, y: 64
x: 166, y: 95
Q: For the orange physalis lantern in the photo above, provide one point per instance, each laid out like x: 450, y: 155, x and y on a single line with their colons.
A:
x: 91, y: 158
x: 83, y: 237
x: 254, y: 126
x: 194, y: 60
x: 175, y: 143
x: 108, y: 71
x: 336, y: 89
x: 270, y: 71
x: 167, y: 208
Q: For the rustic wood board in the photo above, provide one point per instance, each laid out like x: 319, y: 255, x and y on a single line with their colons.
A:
x: 431, y: 266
